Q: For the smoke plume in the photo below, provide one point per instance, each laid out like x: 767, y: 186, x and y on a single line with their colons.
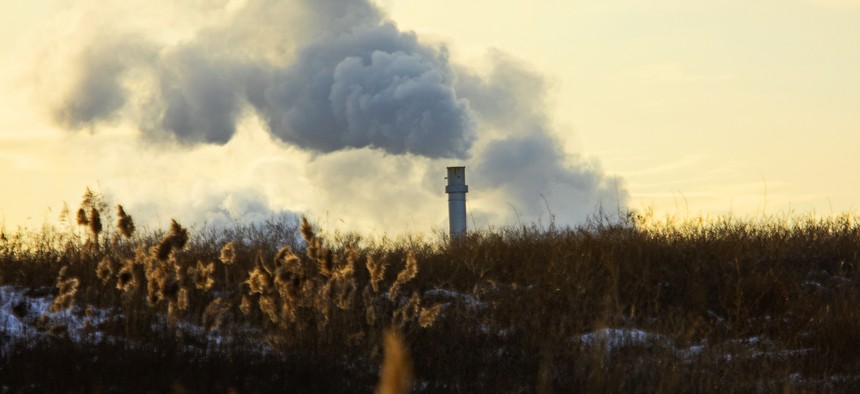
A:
x: 356, y: 82
x: 337, y: 81
x: 525, y: 160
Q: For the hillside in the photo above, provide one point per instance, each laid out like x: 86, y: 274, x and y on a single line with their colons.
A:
x: 648, y: 304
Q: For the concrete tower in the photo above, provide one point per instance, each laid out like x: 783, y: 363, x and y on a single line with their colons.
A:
x: 457, y: 190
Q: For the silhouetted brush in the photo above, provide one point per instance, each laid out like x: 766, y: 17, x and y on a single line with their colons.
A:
x: 95, y: 223
x: 82, y: 217
x: 20, y: 309
x: 370, y: 311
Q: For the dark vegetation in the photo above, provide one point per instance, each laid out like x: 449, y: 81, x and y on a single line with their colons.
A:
x: 641, y: 305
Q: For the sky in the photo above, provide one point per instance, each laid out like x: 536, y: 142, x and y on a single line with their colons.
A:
x: 222, y: 111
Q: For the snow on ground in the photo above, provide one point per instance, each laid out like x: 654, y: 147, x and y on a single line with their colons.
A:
x: 613, y: 338
x: 24, y: 314
x: 449, y: 296
x: 10, y: 324
x: 755, y: 347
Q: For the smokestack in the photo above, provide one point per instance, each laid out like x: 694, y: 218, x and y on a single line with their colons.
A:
x: 457, y: 190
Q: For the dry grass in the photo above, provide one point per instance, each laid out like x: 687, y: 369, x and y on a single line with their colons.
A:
x: 396, y: 377
x: 648, y: 304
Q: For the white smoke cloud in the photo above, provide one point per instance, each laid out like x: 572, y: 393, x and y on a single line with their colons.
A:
x: 320, y: 107
x: 359, y: 82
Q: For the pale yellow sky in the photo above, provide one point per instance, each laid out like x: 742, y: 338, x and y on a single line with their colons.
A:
x: 700, y: 106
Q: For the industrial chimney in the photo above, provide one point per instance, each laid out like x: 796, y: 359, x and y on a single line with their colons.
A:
x: 457, y: 190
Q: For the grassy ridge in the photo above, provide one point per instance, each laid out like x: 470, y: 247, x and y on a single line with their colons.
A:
x: 764, y: 305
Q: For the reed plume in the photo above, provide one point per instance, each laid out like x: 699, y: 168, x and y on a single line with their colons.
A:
x: 376, y: 271
x: 153, y: 296
x: 290, y: 292
x: 324, y: 258
x: 428, y: 315
x: 124, y: 222
x: 341, y: 285
x: 292, y: 279
x: 203, y: 275
x: 409, y: 310
x: 369, y: 306
x: 315, y: 248
x: 259, y: 280
x: 95, y: 223
x: 310, y: 238
x: 125, y: 279
x: 347, y: 268
x: 228, y: 254
x: 67, y: 290
x: 161, y: 282
x: 184, y: 272
x: 409, y: 272
x: 182, y: 299
x: 105, y: 269
x: 283, y: 277
x: 347, y: 288
x: 169, y: 287
x: 175, y: 240
x: 285, y: 258
x: 82, y: 217
x: 307, y: 231
x: 323, y: 302
x: 289, y: 312
x: 176, y: 296
x: 267, y: 306
x: 215, y: 314
x: 245, y: 305
x: 396, y: 376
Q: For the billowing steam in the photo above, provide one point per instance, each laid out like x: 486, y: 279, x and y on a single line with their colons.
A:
x: 360, y: 98
x: 525, y: 161
x: 360, y: 82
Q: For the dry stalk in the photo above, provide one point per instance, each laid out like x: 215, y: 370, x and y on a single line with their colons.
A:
x: 396, y: 376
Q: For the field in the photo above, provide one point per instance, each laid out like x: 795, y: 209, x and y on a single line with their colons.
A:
x: 644, y: 304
